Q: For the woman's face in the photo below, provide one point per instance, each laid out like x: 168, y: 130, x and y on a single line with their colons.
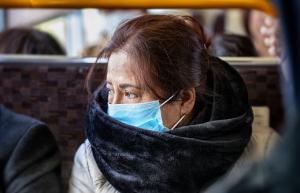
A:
x: 125, y: 89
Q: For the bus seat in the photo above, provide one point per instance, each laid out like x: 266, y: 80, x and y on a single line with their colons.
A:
x: 52, y: 90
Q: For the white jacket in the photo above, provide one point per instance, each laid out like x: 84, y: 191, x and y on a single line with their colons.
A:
x: 87, y: 178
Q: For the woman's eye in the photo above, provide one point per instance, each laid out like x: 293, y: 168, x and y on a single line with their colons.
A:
x: 110, y: 92
x: 110, y: 95
x: 130, y: 95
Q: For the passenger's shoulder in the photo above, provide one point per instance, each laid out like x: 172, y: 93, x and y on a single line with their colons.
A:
x: 16, y: 125
x: 19, y: 130
x: 15, y: 120
x: 83, y: 154
x: 85, y: 171
x: 84, y: 159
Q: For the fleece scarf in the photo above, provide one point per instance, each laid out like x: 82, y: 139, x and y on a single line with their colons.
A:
x: 184, y: 160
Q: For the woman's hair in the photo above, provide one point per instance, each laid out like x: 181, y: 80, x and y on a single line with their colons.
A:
x: 165, y: 52
x: 28, y: 41
x: 232, y: 45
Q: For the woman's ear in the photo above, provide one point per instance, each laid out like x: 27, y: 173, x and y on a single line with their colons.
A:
x: 188, y: 98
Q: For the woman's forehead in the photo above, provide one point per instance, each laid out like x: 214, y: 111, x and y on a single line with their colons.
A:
x: 119, y: 69
x: 118, y: 59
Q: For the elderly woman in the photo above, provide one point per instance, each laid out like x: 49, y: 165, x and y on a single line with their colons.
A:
x: 168, y: 118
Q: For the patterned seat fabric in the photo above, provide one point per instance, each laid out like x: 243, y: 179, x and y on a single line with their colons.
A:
x: 56, y: 95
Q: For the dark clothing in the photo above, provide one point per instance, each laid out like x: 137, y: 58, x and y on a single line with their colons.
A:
x: 186, y: 159
x: 29, y: 156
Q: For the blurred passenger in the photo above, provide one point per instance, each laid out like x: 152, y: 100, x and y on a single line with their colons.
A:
x: 264, y: 31
x: 93, y: 50
x: 232, y: 45
x: 218, y: 26
x: 29, y: 156
x: 29, y: 41
x: 168, y: 118
x: 90, y: 51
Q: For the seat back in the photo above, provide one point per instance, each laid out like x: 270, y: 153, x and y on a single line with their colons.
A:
x: 52, y: 89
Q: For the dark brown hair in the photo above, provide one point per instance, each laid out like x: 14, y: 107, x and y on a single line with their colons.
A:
x: 232, y: 45
x: 246, y: 21
x: 29, y: 41
x: 167, y: 52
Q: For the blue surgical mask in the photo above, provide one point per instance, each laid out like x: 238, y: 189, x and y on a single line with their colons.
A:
x: 142, y: 115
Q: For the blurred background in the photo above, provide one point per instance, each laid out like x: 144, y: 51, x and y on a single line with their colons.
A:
x: 83, y: 32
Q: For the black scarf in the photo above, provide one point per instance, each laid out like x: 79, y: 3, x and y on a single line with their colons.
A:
x: 184, y: 160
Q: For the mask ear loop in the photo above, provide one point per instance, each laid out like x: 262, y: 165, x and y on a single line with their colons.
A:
x: 176, y: 124
x: 167, y: 100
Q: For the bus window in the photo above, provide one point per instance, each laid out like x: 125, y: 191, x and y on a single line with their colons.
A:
x: 232, y: 32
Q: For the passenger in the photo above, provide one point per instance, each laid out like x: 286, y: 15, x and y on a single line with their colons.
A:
x: 94, y: 49
x: 218, y: 25
x: 170, y: 118
x: 29, y: 41
x: 232, y: 45
x: 264, y: 32
x: 29, y: 157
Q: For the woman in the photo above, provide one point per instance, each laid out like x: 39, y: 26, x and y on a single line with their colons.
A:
x: 170, y: 118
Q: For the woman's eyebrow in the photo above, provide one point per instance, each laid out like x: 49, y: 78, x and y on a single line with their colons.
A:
x: 126, y: 85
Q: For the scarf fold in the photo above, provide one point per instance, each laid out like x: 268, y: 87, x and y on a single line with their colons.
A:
x: 183, y: 160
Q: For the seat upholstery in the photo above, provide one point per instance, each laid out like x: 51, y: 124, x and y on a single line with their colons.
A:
x: 55, y: 94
